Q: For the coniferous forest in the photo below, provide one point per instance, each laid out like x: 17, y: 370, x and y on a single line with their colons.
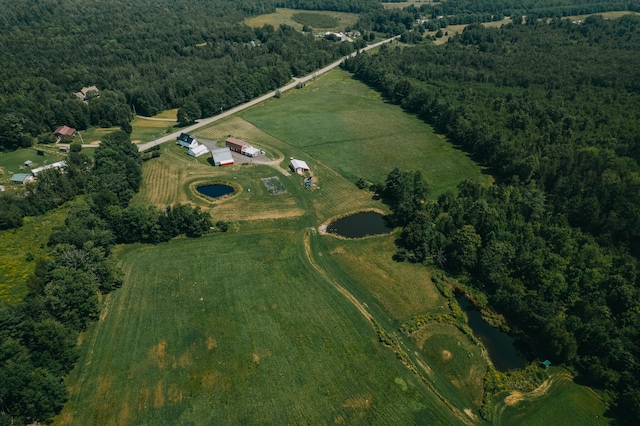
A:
x: 551, y: 108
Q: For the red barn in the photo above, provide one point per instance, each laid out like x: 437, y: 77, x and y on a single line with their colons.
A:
x: 64, y: 133
x: 237, y: 145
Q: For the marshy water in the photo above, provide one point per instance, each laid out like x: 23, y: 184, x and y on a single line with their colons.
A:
x: 499, y: 344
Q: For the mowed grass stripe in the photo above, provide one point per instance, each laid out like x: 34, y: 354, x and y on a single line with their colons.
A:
x: 237, y: 328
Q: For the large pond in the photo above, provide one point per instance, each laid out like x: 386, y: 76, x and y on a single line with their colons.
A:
x: 360, y: 225
x: 499, y: 344
x: 216, y: 190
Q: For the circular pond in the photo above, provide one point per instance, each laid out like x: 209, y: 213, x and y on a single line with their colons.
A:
x: 360, y: 225
x: 216, y: 190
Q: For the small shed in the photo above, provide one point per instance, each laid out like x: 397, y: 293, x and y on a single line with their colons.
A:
x: 236, y: 145
x: 64, y: 133
x: 28, y: 163
x: 251, y: 151
x: 21, y: 178
x: 188, y: 141
x: 221, y: 156
x: 197, y: 151
x: 299, y: 166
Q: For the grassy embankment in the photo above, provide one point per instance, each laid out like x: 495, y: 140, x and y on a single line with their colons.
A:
x: 243, y: 327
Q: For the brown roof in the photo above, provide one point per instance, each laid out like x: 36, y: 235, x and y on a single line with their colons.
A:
x: 237, y: 142
x: 64, y: 131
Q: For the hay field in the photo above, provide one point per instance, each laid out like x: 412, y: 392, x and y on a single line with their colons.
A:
x: 347, y: 126
x: 244, y: 332
x: 284, y: 16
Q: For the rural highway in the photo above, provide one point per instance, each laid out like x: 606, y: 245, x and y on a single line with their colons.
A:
x: 205, y: 121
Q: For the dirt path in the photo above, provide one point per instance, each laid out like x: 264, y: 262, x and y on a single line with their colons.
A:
x: 344, y: 291
x: 466, y: 417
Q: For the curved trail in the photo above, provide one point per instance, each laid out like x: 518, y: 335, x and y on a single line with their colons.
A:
x: 408, y: 363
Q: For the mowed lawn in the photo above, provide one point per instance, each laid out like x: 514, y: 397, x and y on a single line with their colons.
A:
x: 348, y: 126
x: 237, y: 328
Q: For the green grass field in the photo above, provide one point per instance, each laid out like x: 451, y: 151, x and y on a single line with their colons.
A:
x: 563, y: 403
x: 338, y: 20
x: 237, y: 328
x: 272, y: 322
x: 347, y: 126
x: 13, y: 162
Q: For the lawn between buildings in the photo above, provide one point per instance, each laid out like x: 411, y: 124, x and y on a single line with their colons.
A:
x: 240, y: 327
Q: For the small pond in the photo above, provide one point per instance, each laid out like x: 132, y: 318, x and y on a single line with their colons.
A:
x: 499, y: 344
x: 216, y: 190
x: 360, y: 225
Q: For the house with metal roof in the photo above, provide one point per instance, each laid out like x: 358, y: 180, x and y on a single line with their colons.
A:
x: 188, y: 141
x: 64, y: 133
x: 222, y: 156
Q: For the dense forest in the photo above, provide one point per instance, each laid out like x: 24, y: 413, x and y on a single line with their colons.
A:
x: 552, y: 110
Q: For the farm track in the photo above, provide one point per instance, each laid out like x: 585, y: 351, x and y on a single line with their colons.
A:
x: 400, y: 352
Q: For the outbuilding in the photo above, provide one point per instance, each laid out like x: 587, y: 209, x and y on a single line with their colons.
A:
x: 58, y: 165
x: 251, y: 151
x: 299, y: 166
x: 21, y: 178
x: 188, y: 141
x: 221, y: 156
x: 197, y: 151
x: 236, y: 145
x: 28, y: 163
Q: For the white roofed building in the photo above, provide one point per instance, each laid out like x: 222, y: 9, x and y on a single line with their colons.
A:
x: 299, y: 166
x: 197, y: 151
x: 222, y: 156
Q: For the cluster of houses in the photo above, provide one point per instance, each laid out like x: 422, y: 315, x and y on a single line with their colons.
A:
x: 22, y: 178
x: 220, y: 156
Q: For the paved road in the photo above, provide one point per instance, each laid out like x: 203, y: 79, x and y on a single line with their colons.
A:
x: 206, y: 121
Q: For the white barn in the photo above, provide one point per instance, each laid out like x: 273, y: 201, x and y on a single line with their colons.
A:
x: 197, y: 151
x: 299, y: 166
x: 221, y: 156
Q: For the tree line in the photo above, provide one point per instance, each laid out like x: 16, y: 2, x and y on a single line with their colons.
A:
x: 551, y: 109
